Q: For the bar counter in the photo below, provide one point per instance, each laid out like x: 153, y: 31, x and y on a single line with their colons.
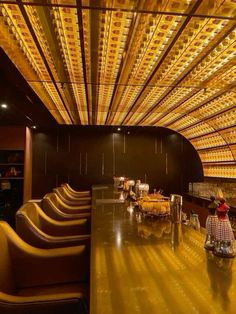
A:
x: 150, y: 265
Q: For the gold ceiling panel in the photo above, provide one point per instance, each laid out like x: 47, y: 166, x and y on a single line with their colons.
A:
x: 233, y: 149
x: 209, y: 141
x: 67, y: 32
x: 224, y: 120
x: 54, y: 2
x: 220, y: 171
x: 194, y: 99
x: 223, y: 154
x: 127, y: 62
x: 216, y: 106
x: 153, y: 117
x: 112, y: 35
x: 178, y: 68
x: 117, y: 5
x: 33, y: 68
x: 117, y: 116
x: 199, y: 129
x: 229, y: 135
x: 223, y: 8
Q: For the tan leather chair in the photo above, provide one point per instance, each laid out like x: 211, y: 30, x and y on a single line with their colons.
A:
x: 75, y: 193
x: 65, y: 208
x: 36, y: 281
x: 39, y: 230
x: 53, y: 207
x: 69, y: 200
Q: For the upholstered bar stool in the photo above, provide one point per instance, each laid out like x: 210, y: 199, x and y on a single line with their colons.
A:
x: 39, y: 230
x: 36, y: 281
x: 75, y: 193
x: 69, y: 200
x: 56, y: 209
x: 69, y: 209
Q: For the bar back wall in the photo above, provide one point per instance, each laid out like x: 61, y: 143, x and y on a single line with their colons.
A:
x: 87, y: 155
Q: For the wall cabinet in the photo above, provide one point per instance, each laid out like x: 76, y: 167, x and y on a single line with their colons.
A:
x: 15, y: 170
x: 11, y: 182
x: 11, y: 165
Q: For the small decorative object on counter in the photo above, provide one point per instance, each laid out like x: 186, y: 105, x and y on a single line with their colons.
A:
x: 194, y: 221
x: 176, y: 202
x: 116, y: 181
x: 143, y: 189
x: 131, y: 183
x: 136, y: 188
x: 211, y: 222
x: 225, y: 242
x: 120, y: 181
x: 158, y: 207
x: 132, y: 196
x: 184, y: 217
x: 126, y: 185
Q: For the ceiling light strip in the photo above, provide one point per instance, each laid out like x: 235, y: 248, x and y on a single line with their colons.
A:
x: 65, y: 23
x: 160, y: 12
x: 24, y: 14
x: 185, y: 22
x: 224, y: 111
x: 185, y: 63
x: 143, y: 55
x: 81, y: 38
x: 122, y: 9
x: 186, y: 76
x: 194, y: 102
x: 23, y: 54
x: 123, y: 61
x: 113, y: 31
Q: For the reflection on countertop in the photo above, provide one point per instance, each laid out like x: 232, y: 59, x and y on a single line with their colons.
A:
x: 220, y: 274
x: 149, y: 265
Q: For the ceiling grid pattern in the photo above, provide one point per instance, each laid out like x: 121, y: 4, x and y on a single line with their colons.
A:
x: 161, y: 63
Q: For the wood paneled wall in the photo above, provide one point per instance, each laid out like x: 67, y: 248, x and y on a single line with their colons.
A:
x: 12, y: 137
x: 84, y: 156
x: 28, y: 166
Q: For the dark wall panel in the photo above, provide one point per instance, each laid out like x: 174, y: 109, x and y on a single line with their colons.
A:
x: 84, y: 156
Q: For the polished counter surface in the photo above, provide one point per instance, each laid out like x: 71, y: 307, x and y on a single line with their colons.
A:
x: 150, y: 266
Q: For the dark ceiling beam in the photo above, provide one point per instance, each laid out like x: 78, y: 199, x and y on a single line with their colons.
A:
x: 195, y: 7
x: 27, y: 21
x: 103, y: 8
x: 81, y: 38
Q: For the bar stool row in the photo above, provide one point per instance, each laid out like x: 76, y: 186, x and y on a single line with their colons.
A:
x: 45, y: 264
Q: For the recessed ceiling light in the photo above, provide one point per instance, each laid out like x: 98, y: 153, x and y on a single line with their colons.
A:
x: 118, y: 129
x: 4, y: 106
x: 34, y: 127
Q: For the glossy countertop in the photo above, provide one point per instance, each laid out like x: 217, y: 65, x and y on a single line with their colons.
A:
x: 150, y: 265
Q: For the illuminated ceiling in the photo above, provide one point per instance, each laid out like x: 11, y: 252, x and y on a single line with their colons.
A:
x: 168, y: 63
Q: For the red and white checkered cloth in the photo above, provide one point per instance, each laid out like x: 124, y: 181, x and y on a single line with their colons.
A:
x: 224, y: 230
x: 211, y: 225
